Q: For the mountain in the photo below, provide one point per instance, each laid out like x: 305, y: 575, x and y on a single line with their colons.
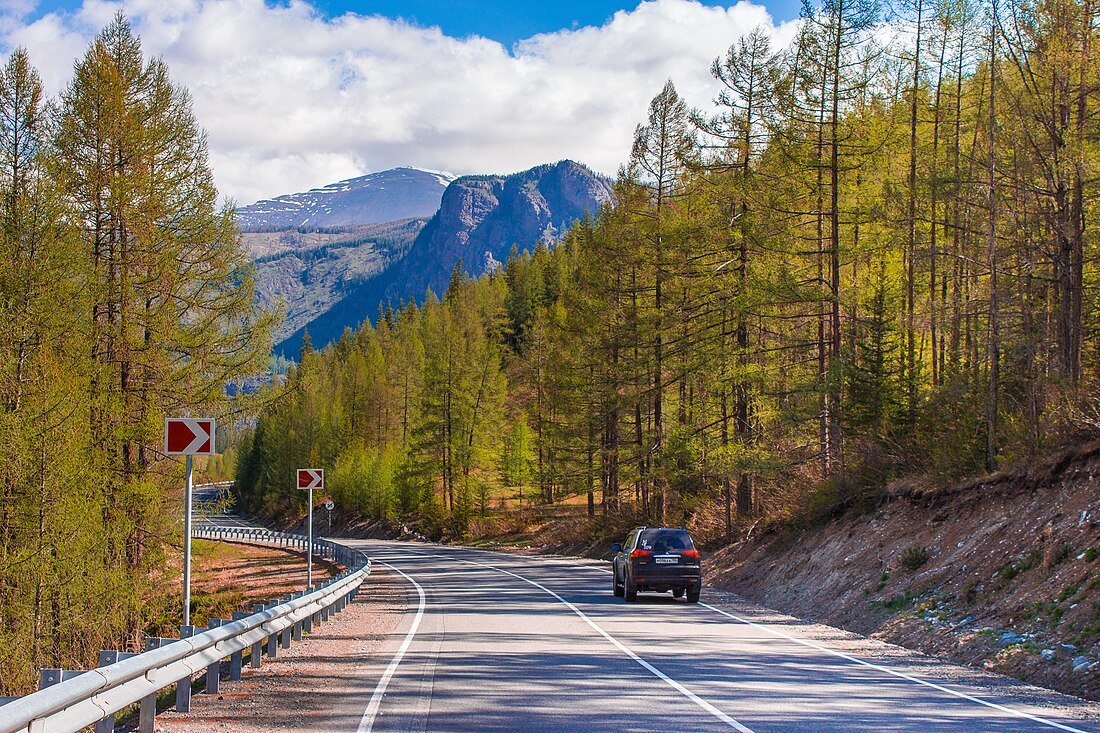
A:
x: 480, y: 218
x: 386, y: 196
x: 310, y: 272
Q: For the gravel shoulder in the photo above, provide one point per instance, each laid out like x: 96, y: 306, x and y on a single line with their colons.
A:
x: 321, y: 683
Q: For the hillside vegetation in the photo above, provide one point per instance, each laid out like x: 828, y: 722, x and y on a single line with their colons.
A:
x: 862, y: 264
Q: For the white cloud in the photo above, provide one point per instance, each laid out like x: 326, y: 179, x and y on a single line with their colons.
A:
x: 293, y: 100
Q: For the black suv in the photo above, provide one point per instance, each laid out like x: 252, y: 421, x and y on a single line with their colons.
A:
x: 656, y: 559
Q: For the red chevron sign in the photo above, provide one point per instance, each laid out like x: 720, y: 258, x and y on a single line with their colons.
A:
x: 311, y: 478
x: 189, y: 436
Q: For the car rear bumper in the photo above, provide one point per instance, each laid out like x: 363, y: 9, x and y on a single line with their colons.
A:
x: 664, y: 579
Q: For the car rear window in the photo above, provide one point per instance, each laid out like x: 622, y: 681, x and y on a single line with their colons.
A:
x: 660, y: 540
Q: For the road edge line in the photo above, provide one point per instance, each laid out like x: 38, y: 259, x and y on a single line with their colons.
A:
x: 893, y: 672
x: 366, y: 723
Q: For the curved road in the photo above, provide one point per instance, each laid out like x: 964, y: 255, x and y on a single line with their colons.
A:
x: 499, y: 642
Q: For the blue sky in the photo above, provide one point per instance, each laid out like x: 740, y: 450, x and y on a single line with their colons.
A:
x: 295, y: 95
x: 509, y: 22
x: 503, y: 21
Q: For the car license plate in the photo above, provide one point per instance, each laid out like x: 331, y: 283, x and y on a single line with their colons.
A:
x: 667, y: 560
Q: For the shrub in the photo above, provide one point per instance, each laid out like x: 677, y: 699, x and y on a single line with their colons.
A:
x: 914, y: 558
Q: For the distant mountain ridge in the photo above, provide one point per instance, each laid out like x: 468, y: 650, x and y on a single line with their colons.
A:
x: 479, y: 219
x: 311, y: 272
x: 376, y: 198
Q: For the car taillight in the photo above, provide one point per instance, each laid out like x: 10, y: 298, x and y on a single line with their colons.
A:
x: 636, y: 554
x: 690, y: 553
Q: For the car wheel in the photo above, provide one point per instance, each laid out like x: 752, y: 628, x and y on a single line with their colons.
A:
x: 677, y: 592
x: 630, y: 591
x: 615, y: 587
x: 693, y: 594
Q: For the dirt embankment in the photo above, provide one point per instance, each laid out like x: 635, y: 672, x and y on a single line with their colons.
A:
x: 1001, y: 573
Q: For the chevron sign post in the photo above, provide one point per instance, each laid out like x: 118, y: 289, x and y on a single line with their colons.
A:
x: 308, y: 480
x: 188, y: 436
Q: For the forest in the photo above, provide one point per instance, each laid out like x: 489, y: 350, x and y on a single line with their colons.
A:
x: 873, y: 259
x: 125, y: 298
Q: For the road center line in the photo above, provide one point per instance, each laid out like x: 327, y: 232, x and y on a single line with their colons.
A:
x: 895, y: 673
x: 619, y: 645
x: 366, y: 724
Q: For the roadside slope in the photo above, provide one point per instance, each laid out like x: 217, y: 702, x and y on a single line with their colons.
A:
x: 1001, y: 573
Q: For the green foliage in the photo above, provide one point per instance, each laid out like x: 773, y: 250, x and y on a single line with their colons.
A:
x: 517, y: 462
x: 408, y: 415
x: 364, y: 480
x: 108, y: 208
x: 873, y: 380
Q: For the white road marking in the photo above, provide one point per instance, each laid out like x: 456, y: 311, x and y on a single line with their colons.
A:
x: 366, y: 724
x: 895, y: 673
x: 781, y: 634
x: 887, y: 670
x: 619, y: 645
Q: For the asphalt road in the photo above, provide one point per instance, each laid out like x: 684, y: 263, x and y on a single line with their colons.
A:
x: 498, y: 642
x: 209, y: 508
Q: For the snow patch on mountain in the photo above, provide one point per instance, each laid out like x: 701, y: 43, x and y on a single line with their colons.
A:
x: 390, y: 195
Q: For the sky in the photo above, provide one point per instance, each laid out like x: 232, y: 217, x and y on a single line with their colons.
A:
x: 298, y: 94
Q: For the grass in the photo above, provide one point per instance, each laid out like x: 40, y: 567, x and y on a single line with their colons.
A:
x: 896, y: 603
x: 1012, y: 569
x: 1069, y: 592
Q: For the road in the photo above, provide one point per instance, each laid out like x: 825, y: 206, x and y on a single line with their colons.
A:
x: 500, y: 642
x: 210, y: 502
x: 493, y: 641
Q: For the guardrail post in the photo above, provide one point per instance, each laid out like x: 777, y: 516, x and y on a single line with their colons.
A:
x: 258, y: 647
x: 49, y: 677
x: 296, y: 629
x: 183, y: 686
x: 236, y: 661
x: 213, y: 672
x: 106, y: 725
x: 273, y: 640
x: 285, y: 641
x: 147, y: 711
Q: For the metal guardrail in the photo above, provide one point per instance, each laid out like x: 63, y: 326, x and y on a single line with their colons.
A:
x: 76, y: 699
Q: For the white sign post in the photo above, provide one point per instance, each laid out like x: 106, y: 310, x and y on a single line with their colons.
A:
x: 310, y: 479
x: 186, y: 436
